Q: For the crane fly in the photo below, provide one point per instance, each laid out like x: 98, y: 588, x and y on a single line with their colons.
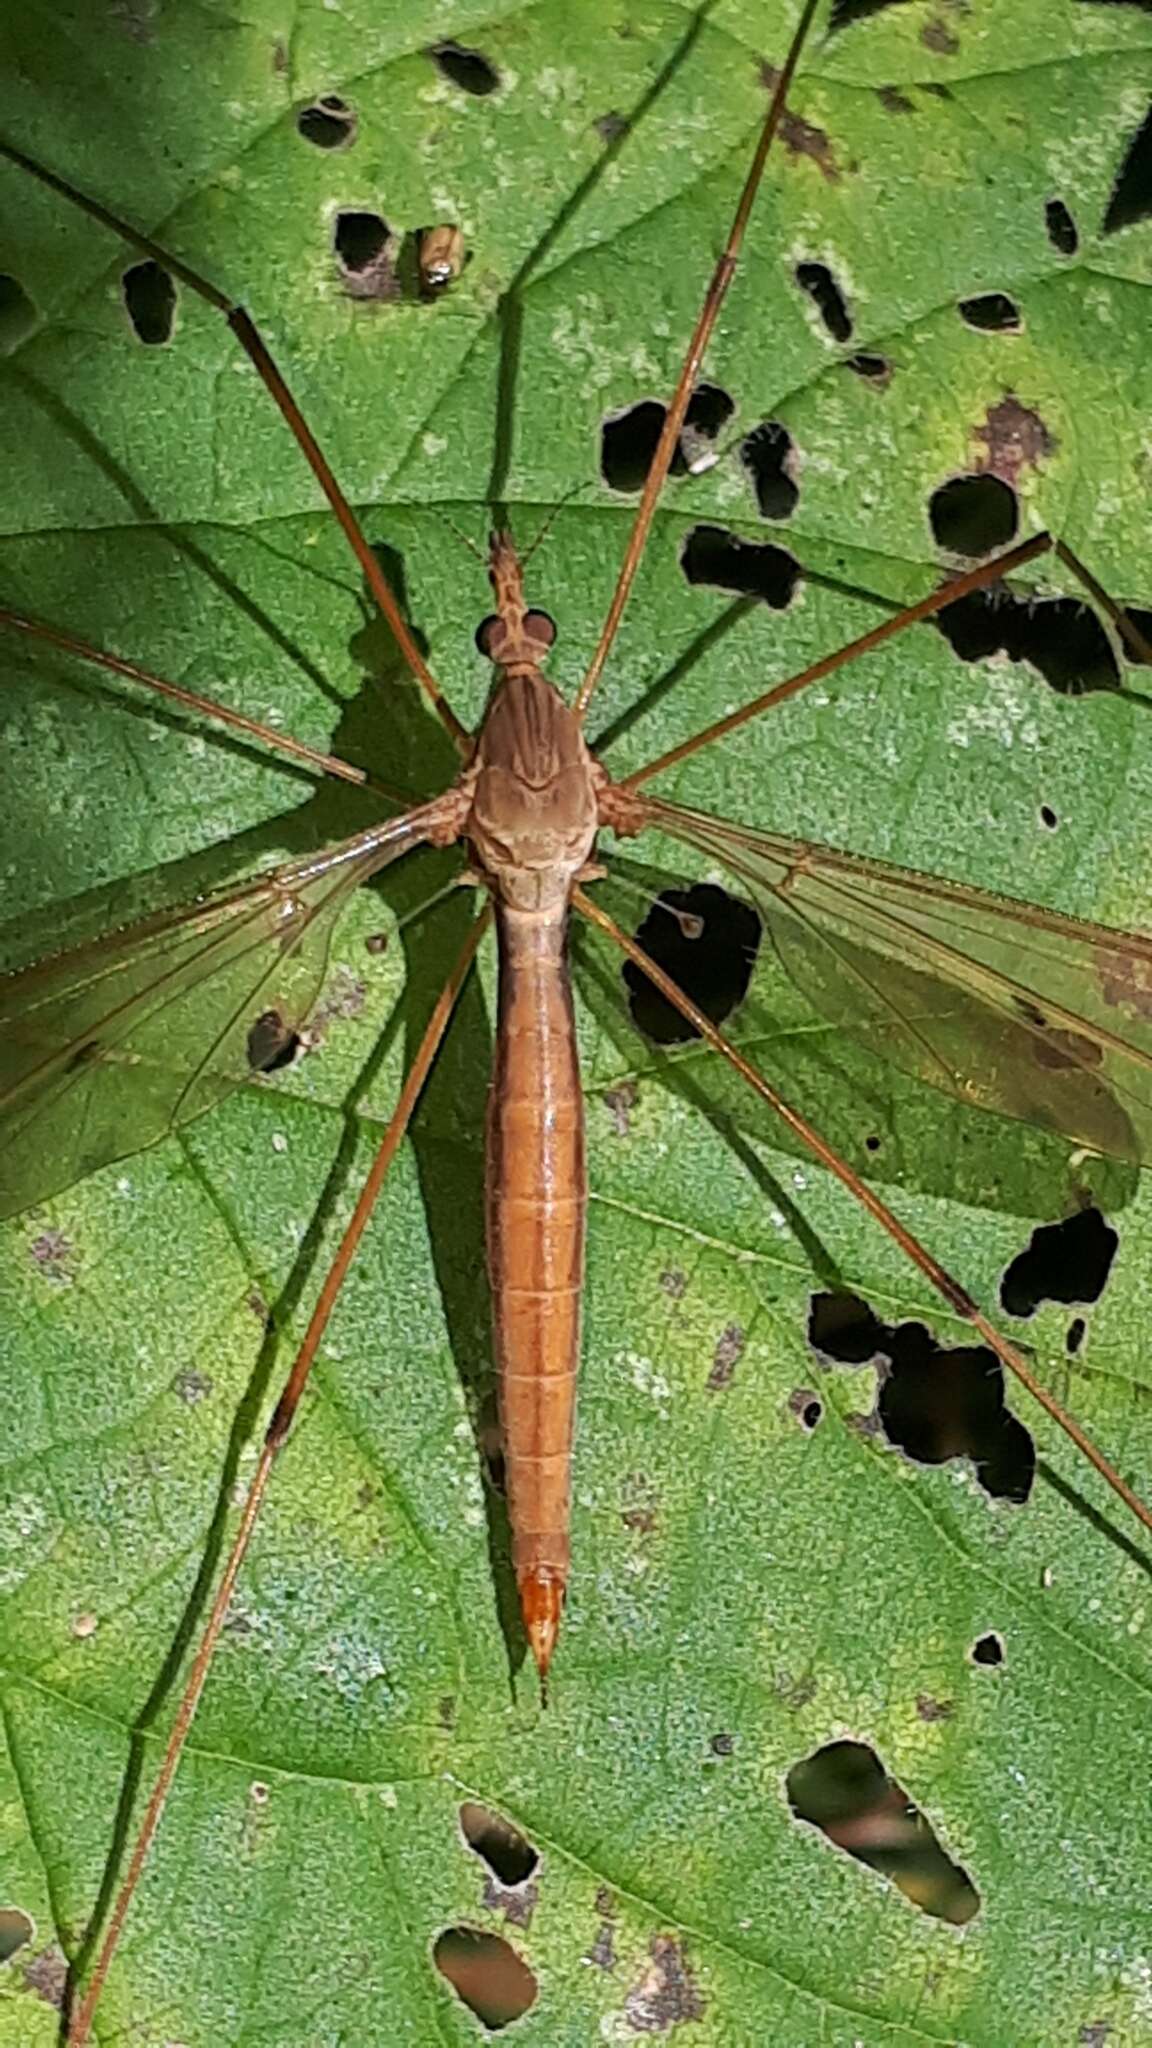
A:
x: 115, y: 1043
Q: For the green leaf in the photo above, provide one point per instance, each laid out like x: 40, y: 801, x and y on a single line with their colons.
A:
x: 736, y: 1576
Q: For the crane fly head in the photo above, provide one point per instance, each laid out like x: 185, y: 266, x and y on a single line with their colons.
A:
x: 514, y: 636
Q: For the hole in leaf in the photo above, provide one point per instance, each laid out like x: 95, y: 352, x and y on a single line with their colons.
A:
x: 1061, y: 228
x: 1061, y: 637
x: 1075, y: 1335
x: 469, y: 70
x: 845, y: 12
x: 366, y: 251
x: 817, y: 280
x: 150, y: 302
x: 17, y: 313
x: 16, y: 1931
x: 844, y: 1790
x: 1048, y: 818
x: 1142, y: 620
x: 273, y: 1043
x: 628, y: 439
x: 1131, y: 199
x: 844, y: 1328
x: 991, y: 313
x: 751, y: 568
x: 769, y: 455
x: 329, y: 123
x: 486, y: 1974
x: 807, y: 1407
x: 973, y: 515
x: 988, y: 1650
x: 1066, y: 1262
x: 939, y: 1402
x: 508, y: 1854
x: 707, y: 942
x: 874, y: 369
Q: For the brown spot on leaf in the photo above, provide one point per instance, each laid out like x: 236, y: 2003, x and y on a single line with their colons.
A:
x: 620, y: 1102
x: 446, y: 1712
x: 1126, y: 982
x: 55, y: 1255
x: 674, y: 1283
x: 726, y: 1357
x: 192, y: 1387
x: 1014, y: 439
x: 938, y: 37
x: 639, y: 1513
x: 279, y: 57
x: 47, y: 1977
x: 800, y: 138
x: 893, y: 101
x: 517, y: 1903
x: 930, y: 1709
x: 611, y: 126
x: 667, y: 1994
x: 794, y: 1692
x: 602, y: 1954
x: 1095, y: 2035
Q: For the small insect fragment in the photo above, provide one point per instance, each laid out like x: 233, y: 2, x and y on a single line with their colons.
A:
x: 442, y: 257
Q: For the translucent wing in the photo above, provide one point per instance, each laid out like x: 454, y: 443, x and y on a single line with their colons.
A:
x: 1000, y: 1003
x: 105, y: 1048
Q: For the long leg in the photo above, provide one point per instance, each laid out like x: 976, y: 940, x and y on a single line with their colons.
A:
x: 260, y: 356
x: 938, y: 1276
x: 80, y: 2026
x: 208, y: 707
x: 937, y: 600
x: 713, y: 300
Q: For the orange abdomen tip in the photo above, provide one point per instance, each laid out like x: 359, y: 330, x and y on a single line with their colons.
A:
x: 541, y: 1605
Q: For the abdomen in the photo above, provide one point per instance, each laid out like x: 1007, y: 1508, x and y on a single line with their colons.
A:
x: 536, y: 1203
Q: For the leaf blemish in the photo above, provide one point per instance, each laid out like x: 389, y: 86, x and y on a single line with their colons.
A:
x: 726, y: 1357
x: 46, y: 1977
x: 602, y: 1954
x: 54, y: 1255
x: 893, y: 100
x: 667, y: 1995
x: 929, y: 1709
x: 799, y: 137
x: 1015, y: 438
x: 620, y: 1102
x: 674, y: 1283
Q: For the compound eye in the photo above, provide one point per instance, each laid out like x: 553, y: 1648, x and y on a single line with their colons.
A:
x: 488, y: 634
x: 540, y: 628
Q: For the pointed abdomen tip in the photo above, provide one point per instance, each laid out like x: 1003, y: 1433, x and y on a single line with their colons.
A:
x: 541, y: 1605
